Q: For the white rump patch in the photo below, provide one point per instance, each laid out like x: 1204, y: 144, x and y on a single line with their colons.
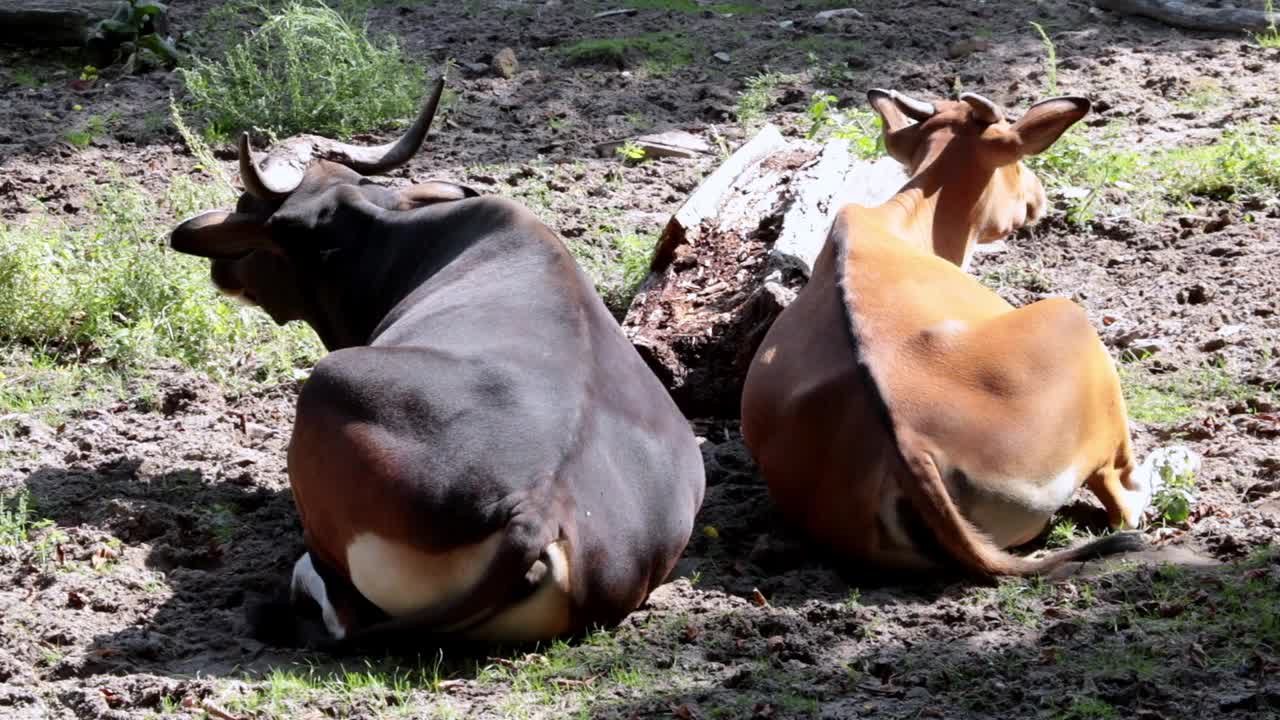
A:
x: 402, y: 579
x: 307, y: 580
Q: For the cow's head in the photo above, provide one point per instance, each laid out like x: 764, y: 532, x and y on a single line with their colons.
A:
x: 969, y: 147
x: 306, y: 205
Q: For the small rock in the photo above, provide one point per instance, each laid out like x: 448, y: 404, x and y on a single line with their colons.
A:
x: 505, y: 64
x: 1213, y: 344
x: 722, y: 57
x: 843, y: 14
x: 258, y: 432
x: 1197, y: 294
x: 1147, y: 346
x: 966, y: 47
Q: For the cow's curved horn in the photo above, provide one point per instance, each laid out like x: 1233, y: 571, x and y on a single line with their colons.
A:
x: 273, y: 186
x: 375, y: 159
x: 984, y: 109
x: 917, y: 110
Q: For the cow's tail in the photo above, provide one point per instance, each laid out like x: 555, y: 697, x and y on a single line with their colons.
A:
x: 928, y: 494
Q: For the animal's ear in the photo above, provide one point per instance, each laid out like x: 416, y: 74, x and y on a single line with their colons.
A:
x: 433, y: 191
x: 220, y: 234
x: 1045, y: 122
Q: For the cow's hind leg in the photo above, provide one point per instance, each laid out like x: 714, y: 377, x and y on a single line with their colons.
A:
x: 319, y: 608
x: 1125, y: 492
x: 307, y: 582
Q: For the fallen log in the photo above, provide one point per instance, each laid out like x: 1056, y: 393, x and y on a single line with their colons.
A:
x: 53, y: 23
x: 734, y: 255
x: 1195, y: 17
x: 103, y: 27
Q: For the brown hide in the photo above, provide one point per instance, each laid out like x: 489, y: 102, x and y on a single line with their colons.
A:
x: 897, y: 389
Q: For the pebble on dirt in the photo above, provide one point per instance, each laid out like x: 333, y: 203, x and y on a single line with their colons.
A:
x: 505, y: 63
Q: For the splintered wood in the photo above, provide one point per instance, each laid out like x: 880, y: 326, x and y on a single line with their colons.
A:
x: 734, y: 255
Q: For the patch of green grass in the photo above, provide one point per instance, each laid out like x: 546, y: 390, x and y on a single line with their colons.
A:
x: 1018, y: 599
x: 690, y: 7
x: 756, y: 97
x: 1050, y: 61
x: 1245, y: 163
x: 1269, y: 38
x: 111, y: 293
x: 1202, y: 94
x: 1088, y: 708
x: 307, y: 68
x: 23, y: 533
x: 1100, y: 174
x: 222, y: 521
x: 379, y: 688
x: 657, y: 53
x: 15, y: 519
x: 629, y: 151
x: 35, y: 383
x: 27, y: 78
x: 617, y: 261
x: 86, y: 133
x: 1062, y: 534
x: 1030, y: 279
x: 1174, y: 398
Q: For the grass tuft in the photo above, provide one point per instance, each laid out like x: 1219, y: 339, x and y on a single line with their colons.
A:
x: 616, y: 261
x: 1177, y: 397
x: 1050, y: 61
x: 307, y: 68
x: 756, y: 97
x: 1269, y: 38
x: 1100, y: 175
x: 658, y: 54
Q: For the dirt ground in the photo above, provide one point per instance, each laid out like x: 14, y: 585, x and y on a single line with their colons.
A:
x: 169, y: 512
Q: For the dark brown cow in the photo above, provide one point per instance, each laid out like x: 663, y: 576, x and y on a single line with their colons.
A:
x: 482, y: 454
x: 898, y: 407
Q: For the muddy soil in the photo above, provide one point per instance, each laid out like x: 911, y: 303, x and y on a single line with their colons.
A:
x: 170, y: 504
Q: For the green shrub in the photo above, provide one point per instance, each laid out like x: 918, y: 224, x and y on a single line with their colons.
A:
x: 307, y: 68
x: 862, y: 128
x: 112, y: 292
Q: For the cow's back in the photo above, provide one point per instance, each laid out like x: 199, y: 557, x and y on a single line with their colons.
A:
x: 502, y: 387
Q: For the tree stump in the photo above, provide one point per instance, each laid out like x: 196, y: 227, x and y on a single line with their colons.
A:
x: 734, y: 255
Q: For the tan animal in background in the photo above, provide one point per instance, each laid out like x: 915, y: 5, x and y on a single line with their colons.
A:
x: 905, y: 415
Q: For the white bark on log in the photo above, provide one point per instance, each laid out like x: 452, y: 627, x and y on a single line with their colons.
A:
x: 725, y: 271
x: 1194, y: 17
x: 706, y: 200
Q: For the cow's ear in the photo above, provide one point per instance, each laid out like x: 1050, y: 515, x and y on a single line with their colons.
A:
x: 220, y: 234
x: 1046, y: 121
x: 433, y: 191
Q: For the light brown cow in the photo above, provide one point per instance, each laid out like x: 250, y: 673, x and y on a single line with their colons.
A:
x: 905, y: 415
